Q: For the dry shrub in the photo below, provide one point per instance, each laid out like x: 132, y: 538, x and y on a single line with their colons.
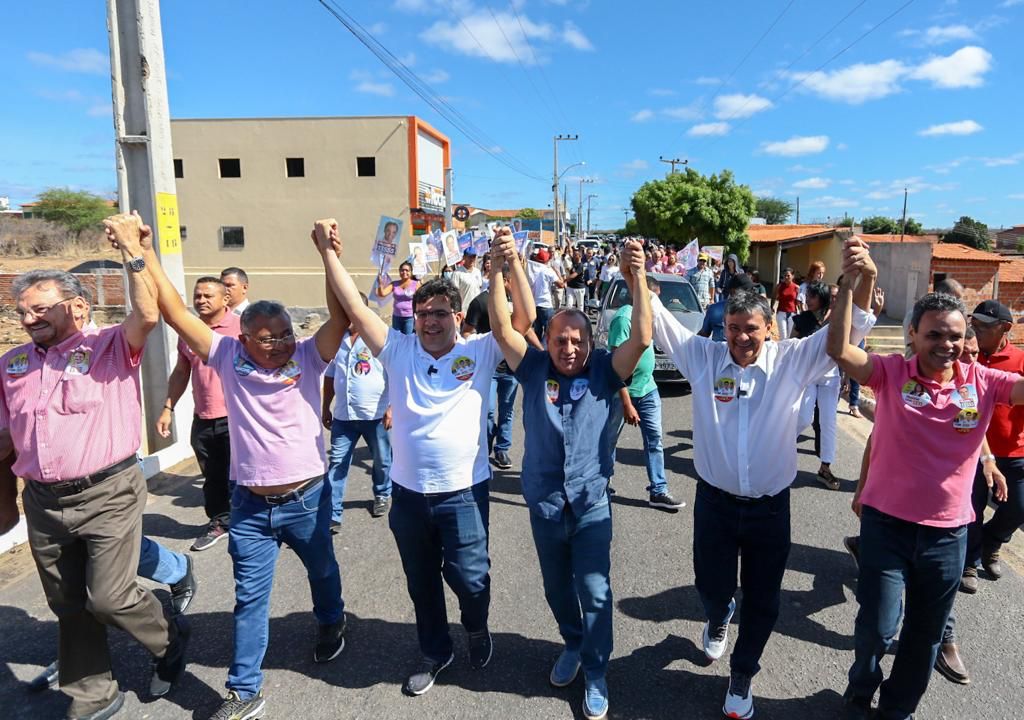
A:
x: 36, y: 237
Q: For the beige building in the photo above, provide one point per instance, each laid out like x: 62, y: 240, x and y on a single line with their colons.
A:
x: 250, y: 189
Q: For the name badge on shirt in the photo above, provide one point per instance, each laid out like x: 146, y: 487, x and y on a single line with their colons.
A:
x: 463, y: 368
x: 966, y: 397
x: 551, y: 390
x: 362, y: 365
x: 915, y: 395
x: 18, y: 365
x: 243, y: 367
x: 290, y: 373
x: 966, y: 420
x: 725, y: 389
x: 78, y: 362
x: 578, y: 388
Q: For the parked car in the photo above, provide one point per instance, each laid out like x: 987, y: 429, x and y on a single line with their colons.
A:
x: 678, y: 297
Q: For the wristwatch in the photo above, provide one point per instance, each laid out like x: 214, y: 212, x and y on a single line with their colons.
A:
x: 137, y: 264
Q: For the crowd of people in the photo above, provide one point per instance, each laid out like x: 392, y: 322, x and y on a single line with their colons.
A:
x: 447, y: 369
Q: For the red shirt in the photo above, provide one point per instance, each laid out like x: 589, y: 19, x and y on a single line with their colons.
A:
x: 207, y: 393
x: 73, y: 408
x: 787, y: 292
x: 1006, y: 429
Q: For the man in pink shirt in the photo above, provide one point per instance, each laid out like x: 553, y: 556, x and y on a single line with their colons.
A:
x: 271, y: 386
x: 916, y: 505
x: 210, y: 437
x: 71, y: 402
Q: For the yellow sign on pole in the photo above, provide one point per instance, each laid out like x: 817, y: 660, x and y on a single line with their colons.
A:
x: 168, y: 223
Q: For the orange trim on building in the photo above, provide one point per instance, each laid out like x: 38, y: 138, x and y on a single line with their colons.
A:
x: 413, y: 194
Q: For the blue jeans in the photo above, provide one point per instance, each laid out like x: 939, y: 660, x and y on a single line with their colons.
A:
x: 898, y: 557
x: 344, y: 436
x: 404, y: 325
x: 648, y: 408
x: 753, y: 538
x: 503, y: 398
x: 257, y: 531
x: 444, y: 535
x: 575, y: 564
x: 159, y: 564
x: 540, y: 324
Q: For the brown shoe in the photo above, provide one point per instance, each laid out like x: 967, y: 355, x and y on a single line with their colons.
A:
x: 951, y: 666
x: 969, y: 580
x: 990, y: 561
x: 826, y: 478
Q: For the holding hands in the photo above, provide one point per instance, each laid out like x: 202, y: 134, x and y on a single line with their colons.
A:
x: 857, y: 260
x: 325, y: 236
x: 127, y: 233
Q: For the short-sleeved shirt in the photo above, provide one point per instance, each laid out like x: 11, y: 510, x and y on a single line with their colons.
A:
x: 702, y: 282
x: 787, y: 297
x: 642, y: 382
x: 927, y: 438
x: 207, y: 394
x: 73, y: 408
x: 439, y: 411
x: 468, y: 283
x: 360, y: 386
x: 273, y: 415
x: 1006, y: 429
x: 568, y: 455
x: 714, y: 322
x: 403, y: 299
x: 579, y: 281
x: 541, y: 277
x: 676, y: 268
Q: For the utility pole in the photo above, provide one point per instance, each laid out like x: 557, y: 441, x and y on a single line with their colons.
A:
x: 449, y: 176
x: 673, y: 163
x: 588, y: 211
x: 554, y: 184
x: 903, y: 223
x: 579, y: 213
x: 145, y: 182
x: 797, y: 209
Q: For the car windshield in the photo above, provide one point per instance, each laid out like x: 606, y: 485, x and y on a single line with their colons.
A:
x: 675, y: 295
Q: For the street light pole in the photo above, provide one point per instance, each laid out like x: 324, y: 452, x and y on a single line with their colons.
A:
x: 554, y: 184
x: 579, y: 213
x: 588, y: 211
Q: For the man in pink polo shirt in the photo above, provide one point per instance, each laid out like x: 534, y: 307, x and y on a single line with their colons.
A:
x: 916, y: 505
x: 210, y: 437
x: 271, y: 385
x: 71, y: 402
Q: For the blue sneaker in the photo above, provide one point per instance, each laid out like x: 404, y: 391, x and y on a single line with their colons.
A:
x: 595, y: 699
x: 567, y: 666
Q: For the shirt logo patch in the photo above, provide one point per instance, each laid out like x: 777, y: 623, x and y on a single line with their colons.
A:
x: 966, y: 420
x: 725, y: 389
x: 362, y: 365
x: 78, y: 362
x: 966, y: 397
x: 290, y: 373
x: 243, y: 367
x: 578, y: 388
x: 463, y: 368
x: 551, y: 390
x: 18, y: 365
x: 915, y: 395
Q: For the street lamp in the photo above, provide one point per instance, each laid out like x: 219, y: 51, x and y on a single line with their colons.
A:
x: 556, y: 188
x: 588, y: 212
x: 579, y: 212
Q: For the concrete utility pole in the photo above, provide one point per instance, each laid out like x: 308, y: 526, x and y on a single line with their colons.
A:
x: 673, y: 163
x: 554, y: 185
x: 797, y: 209
x: 579, y: 213
x: 449, y: 176
x: 145, y: 182
x: 903, y: 223
x: 588, y: 212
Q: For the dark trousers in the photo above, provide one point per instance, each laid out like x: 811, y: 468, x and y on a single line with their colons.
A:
x: 443, y: 536
x: 1005, y: 520
x: 86, y: 548
x: 212, y: 446
x: 540, y: 325
x: 925, y: 563
x: 751, y: 538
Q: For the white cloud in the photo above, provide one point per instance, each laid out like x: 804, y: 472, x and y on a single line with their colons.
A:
x: 377, y: 28
x: 642, y: 116
x: 939, y: 34
x: 575, y: 38
x: 1004, y: 161
x: 842, y: 146
x: 100, y: 109
x: 857, y: 83
x: 1016, y: 196
x: 962, y: 127
x: 894, y: 188
x: 707, y: 80
x: 964, y: 68
x: 375, y: 88
x: 413, y: 5
x: 831, y: 201
x: 635, y: 166
x: 795, y: 146
x: 661, y: 92
x: 813, y: 183
x: 81, y: 60
x: 1011, y: 3
x: 728, y: 107
x: 685, y: 112
x: 435, y: 77
x: 707, y: 129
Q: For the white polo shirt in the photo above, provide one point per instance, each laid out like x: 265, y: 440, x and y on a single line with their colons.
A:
x: 360, y: 387
x: 439, y: 411
x: 744, y: 419
x: 541, y: 276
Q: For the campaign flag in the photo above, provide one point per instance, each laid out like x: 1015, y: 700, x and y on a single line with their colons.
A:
x: 465, y: 241
x: 688, y: 255
x: 715, y: 252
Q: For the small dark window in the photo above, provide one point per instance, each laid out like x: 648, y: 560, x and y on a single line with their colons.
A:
x: 230, y: 167
x: 184, y: 232
x: 232, y: 237
x: 179, y: 168
x: 296, y: 167
x: 366, y: 166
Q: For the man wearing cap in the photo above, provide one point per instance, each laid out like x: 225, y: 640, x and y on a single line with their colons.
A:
x: 467, y: 278
x: 714, y: 316
x: 992, y: 322
x: 543, y: 278
x: 703, y: 281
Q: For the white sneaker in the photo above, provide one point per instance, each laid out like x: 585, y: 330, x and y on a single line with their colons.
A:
x: 716, y: 640
x: 739, y: 702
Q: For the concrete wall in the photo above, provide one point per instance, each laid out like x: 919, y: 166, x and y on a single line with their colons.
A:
x: 904, y: 272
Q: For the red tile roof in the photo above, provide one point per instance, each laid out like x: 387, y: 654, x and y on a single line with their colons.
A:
x: 1011, y: 271
x: 781, y: 233
x: 869, y: 239
x: 952, y: 251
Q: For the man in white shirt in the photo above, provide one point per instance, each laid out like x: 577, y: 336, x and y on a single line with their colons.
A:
x: 543, y: 278
x: 236, y: 283
x: 467, y: 278
x: 746, y: 395
x: 439, y: 388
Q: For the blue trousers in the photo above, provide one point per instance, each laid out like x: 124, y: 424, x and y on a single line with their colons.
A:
x: 159, y: 564
x: 502, y: 410
x: 344, y: 436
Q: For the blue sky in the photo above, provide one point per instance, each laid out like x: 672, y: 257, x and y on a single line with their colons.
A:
x: 930, y: 99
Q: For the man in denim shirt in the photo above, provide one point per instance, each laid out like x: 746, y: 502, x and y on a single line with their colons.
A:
x: 568, y: 391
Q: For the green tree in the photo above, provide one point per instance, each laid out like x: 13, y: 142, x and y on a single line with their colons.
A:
x: 968, y: 231
x: 846, y: 222
x: 77, y: 210
x: 775, y: 211
x: 528, y: 214
x: 913, y: 227
x: 879, y: 225
x: 687, y: 205
x: 631, y: 229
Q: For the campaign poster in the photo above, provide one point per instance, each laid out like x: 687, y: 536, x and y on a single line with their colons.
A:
x: 481, y: 245
x: 688, y: 255
x: 385, y: 243
x: 450, y: 246
x: 465, y: 241
x: 517, y: 225
x: 714, y: 252
x: 520, y: 237
x: 418, y: 257
x: 433, y: 243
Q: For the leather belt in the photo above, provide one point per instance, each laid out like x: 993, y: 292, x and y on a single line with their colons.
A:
x: 291, y: 495
x: 78, y: 485
x: 734, y: 498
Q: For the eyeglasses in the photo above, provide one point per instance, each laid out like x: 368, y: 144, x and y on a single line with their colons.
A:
x: 435, y: 314
x: 270, y: 341
x: 39, y: 312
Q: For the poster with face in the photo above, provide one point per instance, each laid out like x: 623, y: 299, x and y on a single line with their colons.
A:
x: 450, y: 246
x: 520, y: 238
x: 516, y: 224
x: 465, y: 241
x: 418, y: 257
x: 481, y: 244
x: 385, y: 243
x: 433, y: 244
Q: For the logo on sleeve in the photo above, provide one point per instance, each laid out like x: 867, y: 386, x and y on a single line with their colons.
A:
x: 915, y: 395
x: 551, y: 390
x: 290, y: 373
x: 78, y: 362
x: 725, y: 389
x: 463, y: 368
x: 243, y: 368
x: 18, y: 365
x: 966, y: 420
x: 578, y: 388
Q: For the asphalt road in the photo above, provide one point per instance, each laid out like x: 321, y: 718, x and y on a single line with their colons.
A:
x: 657, y: 669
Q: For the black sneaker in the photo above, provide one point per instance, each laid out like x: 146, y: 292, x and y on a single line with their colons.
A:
x: 666, y: 501
x: 48, y: 678
x: 216, y: 531
x: 235, y: 708
x: 480, y: 648
x: 852, y: 545
x: 330, y: 641
x: 423, y: 679
x: 381, y: 503
x: 183, y: 591
x: 169, y: 669
x: 104, y: 713
x: 501, y: 460
x: 335, y: 527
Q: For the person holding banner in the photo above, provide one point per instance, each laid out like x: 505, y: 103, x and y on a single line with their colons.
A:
x: 403, y: 292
